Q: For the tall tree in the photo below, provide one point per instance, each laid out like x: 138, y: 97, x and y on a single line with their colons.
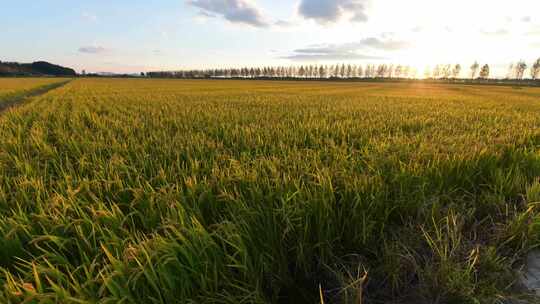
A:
x: 390, y: 71
x: 446, y: 71
x: 456, y: 71
x: 272, y: 72
x: 368, y: 73
x: 511, y: 74
x: 484, y: 72
x: 301, y: 72
x: 381, y: 70
x: 349, y: 71
x: 521, y: 66
x: 322, y: 72
x: 397, y: 71
x: 535, y: 69
x: 474, y: 69
x: 437, y: 71
x: 360, y: 71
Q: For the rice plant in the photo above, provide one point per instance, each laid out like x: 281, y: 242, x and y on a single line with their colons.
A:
x: 184, y: 191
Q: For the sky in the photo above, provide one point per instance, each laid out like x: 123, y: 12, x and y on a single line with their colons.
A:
x: 147, y: 35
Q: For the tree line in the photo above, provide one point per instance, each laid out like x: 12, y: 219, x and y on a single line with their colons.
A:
x: 516, y: 71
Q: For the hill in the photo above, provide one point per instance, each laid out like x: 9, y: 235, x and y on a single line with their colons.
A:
x: 38, y: 68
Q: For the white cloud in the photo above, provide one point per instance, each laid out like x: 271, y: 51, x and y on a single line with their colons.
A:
x: 284, y: 23
x: 332, y: 56
x: 89, y: 17
x: 329, y: 11
x: 498, y: 32
x: 236, y: 11
x: 93, y: 50
x: 349, y: 51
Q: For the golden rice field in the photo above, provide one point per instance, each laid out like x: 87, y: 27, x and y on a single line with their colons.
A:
x: 10, y: 86
x: 194, y: 191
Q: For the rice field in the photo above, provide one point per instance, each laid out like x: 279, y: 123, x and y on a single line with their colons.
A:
x: 16, y: 86
x: 194, y: 191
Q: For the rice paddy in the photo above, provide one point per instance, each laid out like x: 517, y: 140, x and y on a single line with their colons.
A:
x: 12, y: 86
x: 223, y: 191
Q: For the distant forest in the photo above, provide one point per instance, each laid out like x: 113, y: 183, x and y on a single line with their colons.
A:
x: 516, y: 71
x: 39, y: 68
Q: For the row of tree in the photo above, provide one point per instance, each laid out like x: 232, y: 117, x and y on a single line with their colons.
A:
x: 440, y: 71
x: 307, y: 71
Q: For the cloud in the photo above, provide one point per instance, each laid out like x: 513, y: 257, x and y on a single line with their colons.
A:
x: 526, y: 19
x: 235, y: 11
x: 329, y: 11
x: 206, y: 14
x: 331, y: 57
x: 499, y: 32
x: 92, y: 50
x: 283, y: 23
x: 387, y: 45
x: 348, y: 51
x: 89, y: 17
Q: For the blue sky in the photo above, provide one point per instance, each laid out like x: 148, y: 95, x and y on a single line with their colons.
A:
x: 136, y: 35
